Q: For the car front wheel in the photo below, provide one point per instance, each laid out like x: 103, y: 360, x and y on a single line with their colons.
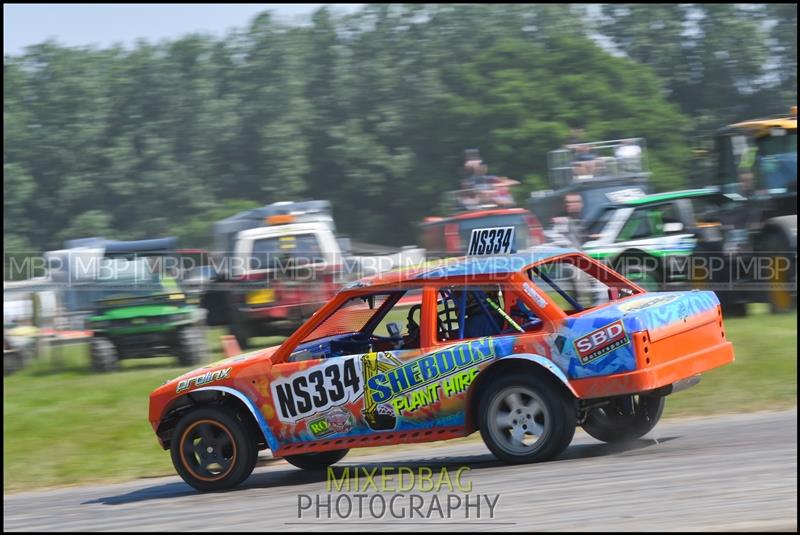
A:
x: 103, y: 354
x: 213, y: 449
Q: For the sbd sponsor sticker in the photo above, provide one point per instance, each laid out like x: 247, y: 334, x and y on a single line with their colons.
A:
x: 601, y: 342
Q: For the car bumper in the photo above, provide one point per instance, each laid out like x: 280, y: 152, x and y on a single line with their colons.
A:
x: 656, y: 376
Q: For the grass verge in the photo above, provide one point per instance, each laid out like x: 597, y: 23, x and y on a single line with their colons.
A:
x: 64, y: 425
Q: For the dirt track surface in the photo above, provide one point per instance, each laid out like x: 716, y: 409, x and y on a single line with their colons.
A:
x: 735, y: 472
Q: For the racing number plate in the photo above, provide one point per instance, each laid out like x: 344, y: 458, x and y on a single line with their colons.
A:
x: 260, y: 297
x: 491, y: 241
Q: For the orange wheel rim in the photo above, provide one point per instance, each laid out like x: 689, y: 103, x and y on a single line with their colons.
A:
x: 208, y: 450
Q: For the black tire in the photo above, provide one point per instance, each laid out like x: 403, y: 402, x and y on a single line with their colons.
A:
x: 192, y: 346
x: 104, y: 355
x: 733, y: 309
x: 316, y: 461
x: 229, y: 437
x: 555, y: 418
x: 13, y: 361
x: 240, y: 330
x: 611, y: 424
x: 781, y: 298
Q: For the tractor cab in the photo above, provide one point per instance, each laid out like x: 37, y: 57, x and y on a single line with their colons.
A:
x: 758, y: 159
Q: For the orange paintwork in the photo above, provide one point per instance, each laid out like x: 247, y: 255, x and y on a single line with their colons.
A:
x: 663, y: 356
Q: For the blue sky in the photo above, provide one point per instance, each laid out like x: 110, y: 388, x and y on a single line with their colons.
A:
x: 103, y: 25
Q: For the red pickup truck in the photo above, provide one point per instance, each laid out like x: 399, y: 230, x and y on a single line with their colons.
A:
x: 447, y: 236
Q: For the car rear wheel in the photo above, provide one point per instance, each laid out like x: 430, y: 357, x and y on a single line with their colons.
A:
x: 103, y: 354
x: 641, y: 272
x: 617, y: 423
x: 316, y: 461
x: 213, y: 448
x: 525, y: 419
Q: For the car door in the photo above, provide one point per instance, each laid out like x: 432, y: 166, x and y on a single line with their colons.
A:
x: 320, y: 393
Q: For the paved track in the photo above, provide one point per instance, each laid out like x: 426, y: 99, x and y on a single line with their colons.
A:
x: 725, y: 473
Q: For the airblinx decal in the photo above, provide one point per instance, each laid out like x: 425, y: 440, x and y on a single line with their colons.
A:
x: 208, y: 377
x: 601, y: 342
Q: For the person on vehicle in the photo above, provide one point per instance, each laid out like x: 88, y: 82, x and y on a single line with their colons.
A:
x: 629, y: 156
x: 584, y: 161
x: 501, y: 191
x: 478, y: 320
x: 474, y: 173
x: 583, y: 157
x: 568, y: 229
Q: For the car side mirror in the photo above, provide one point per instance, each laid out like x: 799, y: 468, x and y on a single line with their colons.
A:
x: 671, y: 228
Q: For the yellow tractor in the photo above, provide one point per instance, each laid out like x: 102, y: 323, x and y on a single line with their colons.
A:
x: 758, y: 160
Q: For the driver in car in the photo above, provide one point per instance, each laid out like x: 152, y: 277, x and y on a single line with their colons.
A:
x: 481, y: 320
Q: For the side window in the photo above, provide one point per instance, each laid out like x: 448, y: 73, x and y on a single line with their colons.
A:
x: 574, y: 288
x: 649, y: 222
x: 470, y: 312
x: 349, y: 318
x: 637, y: 227
x: 401, y: 322
x: 385, y: 321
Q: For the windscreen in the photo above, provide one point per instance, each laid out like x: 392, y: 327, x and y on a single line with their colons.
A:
x: 286, y: 251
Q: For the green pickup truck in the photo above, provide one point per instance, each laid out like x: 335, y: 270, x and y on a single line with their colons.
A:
x: 654, y: 240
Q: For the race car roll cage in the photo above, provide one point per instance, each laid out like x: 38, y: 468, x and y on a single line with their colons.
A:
x: 549, y: 314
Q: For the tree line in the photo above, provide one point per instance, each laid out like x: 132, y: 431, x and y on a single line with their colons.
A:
x: 370, y: 110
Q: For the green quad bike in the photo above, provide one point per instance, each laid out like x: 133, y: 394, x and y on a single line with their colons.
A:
x: 146, y: 326
x: 140, y: 312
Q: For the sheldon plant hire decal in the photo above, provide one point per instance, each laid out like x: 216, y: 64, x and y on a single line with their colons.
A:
x: 425, y: 378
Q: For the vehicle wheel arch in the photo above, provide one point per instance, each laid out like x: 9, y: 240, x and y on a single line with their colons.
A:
x: 635, y: 252
x: 517, y: 363
x: 657, y: 264
x: 215, y: 395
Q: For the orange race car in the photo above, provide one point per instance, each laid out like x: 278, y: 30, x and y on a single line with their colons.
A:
x: 522, y: 347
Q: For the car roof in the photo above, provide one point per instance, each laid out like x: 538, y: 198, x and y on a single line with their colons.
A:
x: 477, y: 214
x: 670, y: 196
x: 465, y: 266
